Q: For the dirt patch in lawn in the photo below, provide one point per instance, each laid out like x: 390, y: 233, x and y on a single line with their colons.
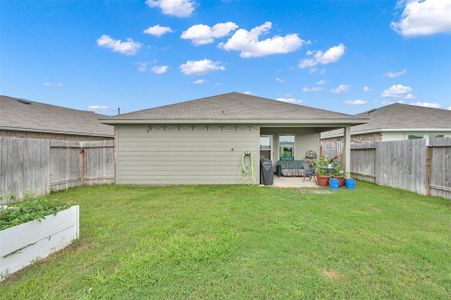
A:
x: 331, y: 275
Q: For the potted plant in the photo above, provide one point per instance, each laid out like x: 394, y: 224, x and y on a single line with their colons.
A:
x: 339, y: 174
x: 321, y: 171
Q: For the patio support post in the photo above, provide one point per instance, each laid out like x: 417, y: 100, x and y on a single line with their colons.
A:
x: 347, y: 150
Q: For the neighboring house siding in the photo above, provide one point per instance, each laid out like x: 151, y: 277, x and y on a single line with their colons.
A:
x: 47, y: 135
x: 305, y: 139
x: 404, y: 135
x: 184, y: 154
x: 333, y: 146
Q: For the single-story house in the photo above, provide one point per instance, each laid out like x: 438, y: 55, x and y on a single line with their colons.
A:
x: 395, y: 122
x: 29, y: 119
x: 203, y: 141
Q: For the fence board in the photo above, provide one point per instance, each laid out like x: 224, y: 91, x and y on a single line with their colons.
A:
x: 441, y: 167
x: 363, y: 162
x: 41, y: 166
x: 403, y: 164
x: 23, y: 166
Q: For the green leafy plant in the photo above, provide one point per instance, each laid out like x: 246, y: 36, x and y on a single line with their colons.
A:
x: 321, y: 164
x: 338, y: 170
x: 32, y: 207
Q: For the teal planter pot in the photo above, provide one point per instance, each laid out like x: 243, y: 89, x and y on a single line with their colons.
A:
x: 334, y: 183
x: 350, y: 183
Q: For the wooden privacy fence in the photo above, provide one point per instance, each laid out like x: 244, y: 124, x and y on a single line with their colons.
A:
x: 332, y: 149
x: 422, y: 166
x: 40, y: 166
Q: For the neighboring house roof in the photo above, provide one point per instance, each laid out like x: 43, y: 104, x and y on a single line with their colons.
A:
x: 399, y: 117
x: 24, y: 115
x: 233, y: 108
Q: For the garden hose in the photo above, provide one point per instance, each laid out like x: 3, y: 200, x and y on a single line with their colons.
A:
x: 247, y: 168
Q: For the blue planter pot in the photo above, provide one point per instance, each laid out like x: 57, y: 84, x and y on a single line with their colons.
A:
x: 350, y: 183
x: 334, y: 183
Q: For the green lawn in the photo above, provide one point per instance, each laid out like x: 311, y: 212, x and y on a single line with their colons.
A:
x: 245, y: 242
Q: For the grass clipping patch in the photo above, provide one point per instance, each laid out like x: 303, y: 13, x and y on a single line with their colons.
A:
x: 30, y: 208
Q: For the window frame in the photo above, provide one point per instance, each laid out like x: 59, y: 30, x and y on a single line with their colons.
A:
x: 271, y: 145
x: 294, y: 144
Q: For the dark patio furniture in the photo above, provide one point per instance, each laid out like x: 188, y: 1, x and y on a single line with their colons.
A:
x: 290, y: 168
x: 309, y: 171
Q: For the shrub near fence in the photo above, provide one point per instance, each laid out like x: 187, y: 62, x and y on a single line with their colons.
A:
x: 420, y: 166
x: 41, y: 166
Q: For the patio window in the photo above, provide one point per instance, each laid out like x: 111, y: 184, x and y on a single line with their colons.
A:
x: 286, y: 144
x: 265, y: 147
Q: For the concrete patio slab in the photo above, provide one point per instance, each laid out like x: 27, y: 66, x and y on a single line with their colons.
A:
x: 294, y: 182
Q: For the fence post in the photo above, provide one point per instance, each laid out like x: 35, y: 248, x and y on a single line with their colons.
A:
x: 82, y: 165
x: 428, y: 167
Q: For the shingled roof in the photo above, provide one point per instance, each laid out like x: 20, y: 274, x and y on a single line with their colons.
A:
x: 398, y: 116
x: 24, y: 115
x: 233, y: 107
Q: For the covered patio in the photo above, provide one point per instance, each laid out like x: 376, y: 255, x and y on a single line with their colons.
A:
x: 293, y: 148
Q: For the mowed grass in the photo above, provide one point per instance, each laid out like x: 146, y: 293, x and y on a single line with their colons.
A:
x: 241, y: 242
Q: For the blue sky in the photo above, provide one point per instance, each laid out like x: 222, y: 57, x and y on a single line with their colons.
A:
x: 319, y: 53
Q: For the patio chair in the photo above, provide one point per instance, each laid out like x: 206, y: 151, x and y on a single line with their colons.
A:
x: 308, y: 171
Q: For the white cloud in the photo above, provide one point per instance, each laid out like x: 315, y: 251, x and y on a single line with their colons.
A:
x: 280, y: 80
x: 53, y: 84
x: 331, y: 55
x: 142, y: 66
x: 392, y: 74
x: 398, y: 91
x: 98, y: 107
x: 449, y: 108
x: 128, y: 47
x: 160, y: 69
x: 321, y: 82
x: 355, y: 102
x: 157, y: 30
x: 366, y: 88
x: 312, y: 89
x: 426, y: 104
x: 424, y: 17
x: 289, y: 100
x: 201, y: 34
x: 196, y: 67
x: 199, y: 81
x: 248, y: 93
x: 248, y: 43
x: 177, y: 8
x: 340, y: 89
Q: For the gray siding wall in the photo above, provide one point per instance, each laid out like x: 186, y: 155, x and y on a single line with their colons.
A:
x: 188, y: 154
